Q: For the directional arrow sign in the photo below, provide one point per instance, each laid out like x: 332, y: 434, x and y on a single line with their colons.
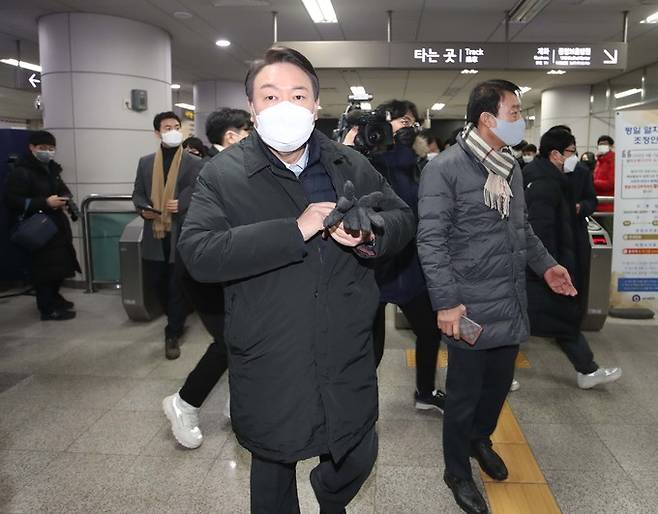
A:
x: 612, y: 58
x: 33, y: 80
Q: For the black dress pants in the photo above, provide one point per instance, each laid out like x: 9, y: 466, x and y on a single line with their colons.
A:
x: 208, y: 301
x: 476, y: 387
x: 578, y: 352
x: 274, y: 484
x: 47, y: 295
x: 423, y: 323
x: 166, y: 279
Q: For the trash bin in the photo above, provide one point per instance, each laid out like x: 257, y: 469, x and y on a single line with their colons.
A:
x: 598, y: 293
x: 139, y: 299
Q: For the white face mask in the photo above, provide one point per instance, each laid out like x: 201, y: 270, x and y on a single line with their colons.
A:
x: 172, y: 138
x: 510, y: 132
x: 431, y: 155
x: 528, y: 158
x: 570, y: 163
x: 603, y: 149
x: 285, y: 126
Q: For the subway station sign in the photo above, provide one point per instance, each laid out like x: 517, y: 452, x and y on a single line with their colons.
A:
x: 478, y: 56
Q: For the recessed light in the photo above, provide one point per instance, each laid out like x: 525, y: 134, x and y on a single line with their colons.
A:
x: 175, y: 86
x: 532, y: 117
x: 183, y: 15
x: 321, y: 11
x: 22, y: 64
x: 628, y: 92
x: 185, y: 106
x: 223, y: 43
x: 469, y: 72
x: 525, y: 89
x: 437, y: 106
x: 651, y: 19
x: 555, y: 72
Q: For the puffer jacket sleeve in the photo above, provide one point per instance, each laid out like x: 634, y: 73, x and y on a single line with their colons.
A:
x: 436, y: 204
x: 215, y: 251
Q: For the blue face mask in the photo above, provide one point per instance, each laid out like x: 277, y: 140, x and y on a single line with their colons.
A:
x: 45, y: 156
x: 510, y: 132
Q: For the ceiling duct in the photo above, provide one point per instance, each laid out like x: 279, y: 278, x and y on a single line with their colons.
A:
x: 526, y: 10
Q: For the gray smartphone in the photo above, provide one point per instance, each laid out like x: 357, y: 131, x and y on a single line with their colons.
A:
x: 469, y: 330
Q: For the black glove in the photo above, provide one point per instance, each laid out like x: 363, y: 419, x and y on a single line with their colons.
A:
x: 356, y: 214
x: 405, y: 136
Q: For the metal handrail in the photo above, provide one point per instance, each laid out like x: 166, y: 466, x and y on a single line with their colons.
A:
x: 604, y: 200
x: 86, y: 232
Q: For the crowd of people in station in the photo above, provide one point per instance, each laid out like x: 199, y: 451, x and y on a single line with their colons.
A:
x: 481, y: 242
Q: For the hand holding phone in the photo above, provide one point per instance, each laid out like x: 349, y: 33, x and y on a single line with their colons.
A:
x: 469, y: 330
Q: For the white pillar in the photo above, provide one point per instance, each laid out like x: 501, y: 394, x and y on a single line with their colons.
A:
x: 90, y: 64
x: 567, y: 106
x: 210, y: 95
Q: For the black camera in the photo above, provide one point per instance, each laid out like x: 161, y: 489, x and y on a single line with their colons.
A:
x: 74, y: 210
x: 375, y: 133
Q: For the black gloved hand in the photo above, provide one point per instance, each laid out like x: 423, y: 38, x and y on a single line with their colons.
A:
x: 357, y: 215
x: 405, y: 136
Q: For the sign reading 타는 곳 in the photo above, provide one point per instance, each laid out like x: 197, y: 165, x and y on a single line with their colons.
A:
x: 403, y: 55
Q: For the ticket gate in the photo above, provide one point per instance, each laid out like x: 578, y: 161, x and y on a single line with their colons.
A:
x: 139, y: 299
x: 598, y: 293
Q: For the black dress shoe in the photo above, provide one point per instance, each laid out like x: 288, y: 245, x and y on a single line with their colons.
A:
x: 172, y: 350
x: 57, y: 315
x: 466, y: 494
x: 63, y: 303
x: 489, y: 460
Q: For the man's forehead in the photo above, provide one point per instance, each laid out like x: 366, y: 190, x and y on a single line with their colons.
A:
x: 281, y: 74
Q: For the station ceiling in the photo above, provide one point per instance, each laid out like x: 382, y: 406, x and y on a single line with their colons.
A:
x: 248, y: 25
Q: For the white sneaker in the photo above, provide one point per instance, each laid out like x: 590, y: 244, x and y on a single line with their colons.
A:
x: 600, y: 376
x: 515, y: 385
x: 184, y: 420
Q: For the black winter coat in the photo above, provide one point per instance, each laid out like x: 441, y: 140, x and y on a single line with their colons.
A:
x: 299, y: 315
x: 552, y: 214
x: 30, y: 179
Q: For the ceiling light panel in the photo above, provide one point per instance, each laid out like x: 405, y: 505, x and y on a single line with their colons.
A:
x: 321, y: 11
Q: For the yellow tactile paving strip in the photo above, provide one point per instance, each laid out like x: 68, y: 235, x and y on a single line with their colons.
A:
x: 525, y: 491
x: 442, y: 360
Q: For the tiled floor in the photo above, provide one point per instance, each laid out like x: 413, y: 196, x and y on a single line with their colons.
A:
x: 81, y: 428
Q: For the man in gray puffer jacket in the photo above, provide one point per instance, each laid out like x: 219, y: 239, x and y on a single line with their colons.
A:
x: 474, y: 243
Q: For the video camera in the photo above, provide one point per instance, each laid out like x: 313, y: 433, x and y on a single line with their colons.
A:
x: 375, y: 133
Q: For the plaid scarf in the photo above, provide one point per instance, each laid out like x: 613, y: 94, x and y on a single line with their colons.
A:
x: 500, y: 165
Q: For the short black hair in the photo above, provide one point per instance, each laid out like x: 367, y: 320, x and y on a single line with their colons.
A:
x: 529, y: 148
x: 431, y: 137
x: 605, y: 139
x: 279, y: 54
x: 195, y: 143
x: 219, y: 122
x: 561, y: 127
x: 167, y: 115
x: 41, y: 137
x: 398, y: 108
x: 558, y: 140
x: 486, y: 97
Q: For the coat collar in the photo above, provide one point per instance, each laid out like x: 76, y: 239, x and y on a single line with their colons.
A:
x: 28, y: 160
x: 540, y: 168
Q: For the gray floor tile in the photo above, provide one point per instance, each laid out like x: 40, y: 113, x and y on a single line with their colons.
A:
x: 568, y: 447
x: 148, y: 394
x: 120, y: 433
x: 545, y: 406
x: 181, y: 367
x: 31, y: 354
x: 600, y: 491
x: 412, y: 490
x: 393, y: 370
x: 83, y: 392
x: 402, y: 443
x: 634, y: 446
x: 46, y: 429
x: 109, y: 358
x: 225, y: 489
x: 16, y: 468
x: 157, y: 485
x: 645, y: 481
x: 614, y: 405
x: 70, y: 483
x: 8, y: 380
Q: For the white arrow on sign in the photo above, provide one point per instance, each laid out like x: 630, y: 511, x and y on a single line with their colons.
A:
x: 33, y: 80
x: 613, y: 58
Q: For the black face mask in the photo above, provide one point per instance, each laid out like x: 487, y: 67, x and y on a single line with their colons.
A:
x: 405, y: 136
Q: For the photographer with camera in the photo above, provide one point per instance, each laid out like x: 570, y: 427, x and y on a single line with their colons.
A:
x: 400, y: 279
x: 35, y: 185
